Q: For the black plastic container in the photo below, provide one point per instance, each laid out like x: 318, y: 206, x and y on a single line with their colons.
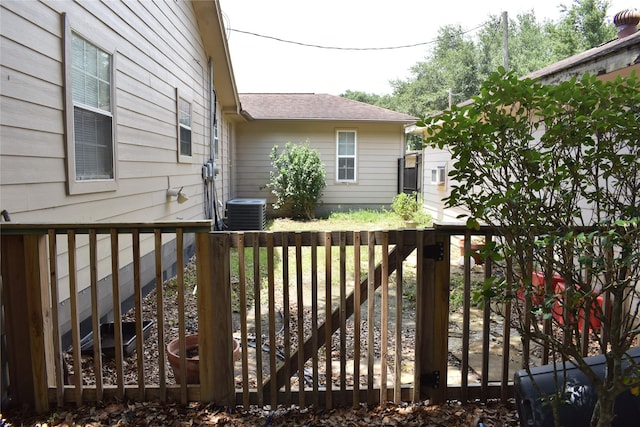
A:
x: 579, y: 393
x: 107, y: 338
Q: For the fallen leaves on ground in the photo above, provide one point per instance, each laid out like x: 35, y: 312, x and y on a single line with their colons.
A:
x: 175, y: 415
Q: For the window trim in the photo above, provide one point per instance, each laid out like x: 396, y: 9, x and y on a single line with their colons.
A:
x: 75, y: 186
x: 354, y: 157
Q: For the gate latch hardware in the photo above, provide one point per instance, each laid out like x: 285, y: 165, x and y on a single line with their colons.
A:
x: 431, y: 380
x: 435, y: 251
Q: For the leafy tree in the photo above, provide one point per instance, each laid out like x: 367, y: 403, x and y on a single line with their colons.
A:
x: 530, y: 46
x: 298, y: 178
x: 383, y: 101
x: 582, y: 169
x: 582, y: 27
x: 458, y: 62
x: 452, y: 66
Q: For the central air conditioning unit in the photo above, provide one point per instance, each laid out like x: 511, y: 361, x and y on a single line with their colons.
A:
x: 246, y: 214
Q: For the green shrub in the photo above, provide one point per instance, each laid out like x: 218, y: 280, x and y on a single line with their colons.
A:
x: 406, y: 205
x: 298, y: 178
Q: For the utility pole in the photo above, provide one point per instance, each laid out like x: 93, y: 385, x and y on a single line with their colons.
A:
x: 450, y: 92
x: 505, y: 40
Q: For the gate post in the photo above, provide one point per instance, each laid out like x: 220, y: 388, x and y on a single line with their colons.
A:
x: 27, y: 307
x: 215, y: 330
x: 432, y: 317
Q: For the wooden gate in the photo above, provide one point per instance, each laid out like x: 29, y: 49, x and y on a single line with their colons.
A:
x: 344, y: 285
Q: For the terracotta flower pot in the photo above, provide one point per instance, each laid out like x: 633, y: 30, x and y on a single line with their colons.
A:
x: 475, y: 248
x: 193, y: 362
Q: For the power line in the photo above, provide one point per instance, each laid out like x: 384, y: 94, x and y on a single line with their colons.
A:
x: 346, y: 48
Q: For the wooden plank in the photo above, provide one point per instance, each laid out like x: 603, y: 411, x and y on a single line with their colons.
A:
x: 343, y: 315
x: 357, y: 320
x: 300, y: 318
x: 173, y: 393
x: 38, y: 312
x: 506, y: 330
x: 160, y: 315
x: 384, y: 318
x: 328, y: 331
x: 528, y: 318
x: 372, y: 282
x: 95, y: 315
x: 242, y: 284
x: 182, y: 345
x: 398, y: 325
x: 215, y: 325
x: 286, y: 327
x: 441, y: 318
x: 273, y: 367
x: 117, y: 312
x: 315, y: 398
x: 421, y: 360
x: 59, y: 370
x: 549, y: 290
x: 258, y: 319
x: 466, y: 315
x: 137, y: 289
x: 189, y: 226
x: 486, y: 329
x: 317, y: 238
x: 75, y: 321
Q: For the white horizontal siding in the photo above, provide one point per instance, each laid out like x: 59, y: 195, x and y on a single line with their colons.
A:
x: 157, y: 48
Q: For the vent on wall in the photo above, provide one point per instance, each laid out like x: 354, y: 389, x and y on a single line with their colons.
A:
x: 246, y: 214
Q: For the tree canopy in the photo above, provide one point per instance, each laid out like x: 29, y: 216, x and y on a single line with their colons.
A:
x: 459, y: 61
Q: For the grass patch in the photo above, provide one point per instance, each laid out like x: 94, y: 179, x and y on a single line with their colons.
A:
x: 358, y: 220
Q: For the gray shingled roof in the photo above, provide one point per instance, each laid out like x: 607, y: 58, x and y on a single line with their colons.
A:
x: 630, y: 43
x: 311, y: 106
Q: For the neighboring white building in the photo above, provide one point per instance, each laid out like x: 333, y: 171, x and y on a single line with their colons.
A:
x: 619, y: 57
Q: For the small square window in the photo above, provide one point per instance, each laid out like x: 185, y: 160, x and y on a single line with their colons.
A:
x: 438, y: 175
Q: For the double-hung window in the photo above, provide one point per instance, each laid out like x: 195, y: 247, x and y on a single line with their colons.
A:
x: 89, y: 115
x: 92, y: 118
x: 184, y: 127
x: 346, y: 155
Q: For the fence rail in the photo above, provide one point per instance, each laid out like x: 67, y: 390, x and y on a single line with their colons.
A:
x: 324, y: 318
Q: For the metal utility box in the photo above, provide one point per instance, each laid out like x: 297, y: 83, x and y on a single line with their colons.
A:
x: 579, y: 394
x: 246, y: 214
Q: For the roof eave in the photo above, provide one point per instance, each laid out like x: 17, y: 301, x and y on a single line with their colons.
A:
x: 211, y: 25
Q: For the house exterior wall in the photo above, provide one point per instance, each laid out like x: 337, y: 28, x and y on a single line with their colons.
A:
x: 149, y: 66
x: 157, y: 52
x: 379, y: 145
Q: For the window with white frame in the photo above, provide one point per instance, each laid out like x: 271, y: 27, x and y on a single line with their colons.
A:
x: 184, y: 127
x: 346, y: 155
x: 91, y: 82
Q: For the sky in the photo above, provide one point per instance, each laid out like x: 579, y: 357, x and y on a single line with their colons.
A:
x: 263, y: 65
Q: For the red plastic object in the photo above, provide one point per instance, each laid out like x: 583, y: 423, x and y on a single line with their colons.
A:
x: 537, y: 284
x: 538, y: 287
x: 594, y: 322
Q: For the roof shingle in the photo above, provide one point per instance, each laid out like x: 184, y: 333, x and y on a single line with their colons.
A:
x: 311, y: 106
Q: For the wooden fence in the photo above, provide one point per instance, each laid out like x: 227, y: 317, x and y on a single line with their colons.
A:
x: 324, y: 318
